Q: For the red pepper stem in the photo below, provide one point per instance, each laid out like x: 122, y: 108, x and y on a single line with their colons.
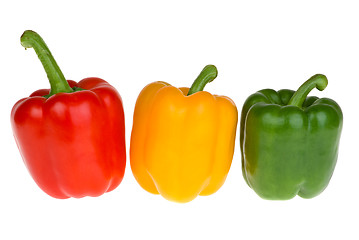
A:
x: 208, y: 74
x: 318, y: 81
x: 31, y: 39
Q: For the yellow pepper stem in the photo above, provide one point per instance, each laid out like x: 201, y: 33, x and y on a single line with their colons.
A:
x: 208, y: 74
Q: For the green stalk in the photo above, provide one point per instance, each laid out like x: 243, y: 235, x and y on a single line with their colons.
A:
x: 318, y: 81
x: 208, y: 74
x: 31, y: 39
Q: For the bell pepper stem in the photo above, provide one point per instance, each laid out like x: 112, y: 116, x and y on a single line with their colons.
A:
x: 31, y: 39
x: 318, y: 81
x: 208, y: 74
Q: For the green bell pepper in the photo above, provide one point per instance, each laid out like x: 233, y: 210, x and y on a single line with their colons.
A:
x: 289, y: 142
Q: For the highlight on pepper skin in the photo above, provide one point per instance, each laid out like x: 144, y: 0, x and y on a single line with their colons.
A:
x: 72, y: 136
x: 182, y: 139
x: 289, y: 142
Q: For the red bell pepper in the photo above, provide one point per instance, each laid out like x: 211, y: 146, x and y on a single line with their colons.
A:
x: 72, y: 137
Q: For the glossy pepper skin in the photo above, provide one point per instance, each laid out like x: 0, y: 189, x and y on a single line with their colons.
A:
x: 182, y: 146
x: 73, y: 143
x: 289, y: 142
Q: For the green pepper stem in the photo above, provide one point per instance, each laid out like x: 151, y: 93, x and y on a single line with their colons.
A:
x: 31, y: 39
x: 208, y: 74
x: 319, y: 81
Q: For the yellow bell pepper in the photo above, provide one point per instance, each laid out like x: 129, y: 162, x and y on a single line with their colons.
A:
x: 182, y: 140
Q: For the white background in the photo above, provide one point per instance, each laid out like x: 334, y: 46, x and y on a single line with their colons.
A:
x: 254, y: 44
